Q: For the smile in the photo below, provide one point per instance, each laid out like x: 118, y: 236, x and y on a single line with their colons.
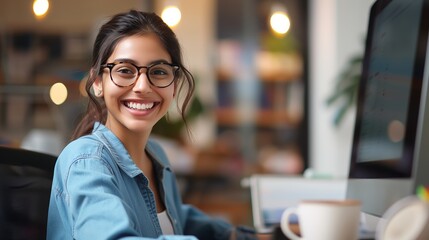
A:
x: 139, y: 106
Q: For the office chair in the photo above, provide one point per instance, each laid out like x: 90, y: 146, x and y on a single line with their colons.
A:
x: 25, y: 186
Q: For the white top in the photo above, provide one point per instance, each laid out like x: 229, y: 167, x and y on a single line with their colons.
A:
x: 164, y: 221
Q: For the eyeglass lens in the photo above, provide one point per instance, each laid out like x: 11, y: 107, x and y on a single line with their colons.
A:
x: 125, y: 74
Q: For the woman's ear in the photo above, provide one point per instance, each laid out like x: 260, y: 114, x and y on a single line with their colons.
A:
x: 97, y: 86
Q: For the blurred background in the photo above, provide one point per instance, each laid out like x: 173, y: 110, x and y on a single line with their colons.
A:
x: 265, y: 70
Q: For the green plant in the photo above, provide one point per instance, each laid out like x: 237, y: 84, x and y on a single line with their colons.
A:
x: 346, y: 87
x: 279, y: 44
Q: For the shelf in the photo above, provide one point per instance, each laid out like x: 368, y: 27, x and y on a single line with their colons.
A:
x: 264, y: 118
x: 224, y: 75
x: 270, y: 67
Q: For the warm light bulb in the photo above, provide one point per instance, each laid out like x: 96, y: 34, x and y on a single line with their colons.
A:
x: 280, y: 22
x: 58, y: 93
x: 40, y: 7
x: 171, y: 15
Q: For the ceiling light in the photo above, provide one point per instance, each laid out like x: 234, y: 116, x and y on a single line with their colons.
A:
x: 40, y: 8
x: 279, y: 19
x: 171, y: 15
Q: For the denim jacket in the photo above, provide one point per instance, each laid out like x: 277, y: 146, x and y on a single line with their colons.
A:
x: 99, y: 193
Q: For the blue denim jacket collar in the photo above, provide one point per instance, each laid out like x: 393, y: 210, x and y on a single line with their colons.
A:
x: 117, y: 149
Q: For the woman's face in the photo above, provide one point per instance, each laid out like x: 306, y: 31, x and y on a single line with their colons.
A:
x: 137, y: 108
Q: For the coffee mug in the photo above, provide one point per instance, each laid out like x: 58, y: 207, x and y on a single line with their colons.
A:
x: 324, y: 220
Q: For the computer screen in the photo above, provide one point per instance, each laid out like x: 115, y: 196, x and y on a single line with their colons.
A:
x: 390, y: 151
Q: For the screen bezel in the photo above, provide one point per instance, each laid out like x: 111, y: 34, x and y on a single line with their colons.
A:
x: 400, y: 167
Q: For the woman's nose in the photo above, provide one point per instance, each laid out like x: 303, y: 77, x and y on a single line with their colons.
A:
x: 142, y: 83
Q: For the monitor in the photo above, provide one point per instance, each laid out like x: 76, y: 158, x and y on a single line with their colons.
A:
x: 390, y: 150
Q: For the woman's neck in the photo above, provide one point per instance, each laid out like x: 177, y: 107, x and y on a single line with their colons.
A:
x: 135, y: 145
x: 133, y: 141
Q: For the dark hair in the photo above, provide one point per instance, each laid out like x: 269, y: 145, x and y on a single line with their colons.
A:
x: 121, y: 26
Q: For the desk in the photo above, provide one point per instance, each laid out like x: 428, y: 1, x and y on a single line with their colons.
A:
x: 278, y: 234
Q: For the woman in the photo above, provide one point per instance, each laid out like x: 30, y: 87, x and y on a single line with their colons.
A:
x: 112, y: 181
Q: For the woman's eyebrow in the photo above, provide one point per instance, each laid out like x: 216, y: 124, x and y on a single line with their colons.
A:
x: 129, y: 60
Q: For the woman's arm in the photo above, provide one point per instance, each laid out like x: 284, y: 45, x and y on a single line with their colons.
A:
x: 208, y: 228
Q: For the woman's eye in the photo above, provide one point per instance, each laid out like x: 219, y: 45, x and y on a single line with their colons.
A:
x: 158, y: 72
x: 125, y: 71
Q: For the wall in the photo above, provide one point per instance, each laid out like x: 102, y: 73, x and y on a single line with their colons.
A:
x: 337, y: 32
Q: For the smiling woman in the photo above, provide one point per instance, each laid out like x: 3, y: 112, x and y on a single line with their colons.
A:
x: 122, y: 85
x: 136, y: 72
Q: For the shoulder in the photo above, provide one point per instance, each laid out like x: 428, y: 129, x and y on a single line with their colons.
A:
x: 85, y: 157
x: 86, y: 147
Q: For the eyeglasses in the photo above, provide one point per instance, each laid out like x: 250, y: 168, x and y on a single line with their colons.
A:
x: 124, y: 74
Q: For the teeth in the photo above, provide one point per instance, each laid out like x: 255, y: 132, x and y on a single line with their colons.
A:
x: 140, y: 106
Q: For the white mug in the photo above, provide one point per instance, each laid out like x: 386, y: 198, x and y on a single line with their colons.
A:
x: 324, y: 220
